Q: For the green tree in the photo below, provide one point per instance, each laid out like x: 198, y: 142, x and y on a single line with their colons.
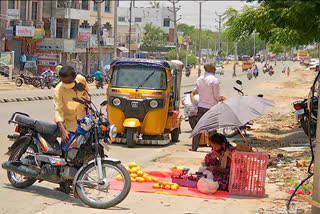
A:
x: 153, y: 38
x: 171, y: 55
x: 285, y: 23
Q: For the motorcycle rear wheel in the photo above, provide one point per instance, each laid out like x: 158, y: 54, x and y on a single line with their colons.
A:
x: 23, y: 181
x: 86, y: 181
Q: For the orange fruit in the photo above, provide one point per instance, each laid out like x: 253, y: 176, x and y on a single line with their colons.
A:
x: 167, y: 187
x: 132, y: 164
x: 140, y: 173
x: 148, y: 179
x: 138, y: 168
x: 174, y: 187
x: 133, y: 175
x: 145, y: 174
x: 155, y: 186
x: 163, y: 186
x: 154, y: 179
x: 133, y: 179
x: 139, y: 179
x: 134, y: 170
x: 119, y: 178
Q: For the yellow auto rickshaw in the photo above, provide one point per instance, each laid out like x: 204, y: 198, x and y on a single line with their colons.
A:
x: 144, y: 100
x: 246, y: 65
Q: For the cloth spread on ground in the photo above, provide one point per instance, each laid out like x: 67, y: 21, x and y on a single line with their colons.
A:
x: 166, y: 177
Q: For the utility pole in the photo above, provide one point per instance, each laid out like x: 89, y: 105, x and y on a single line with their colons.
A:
x: 219, y: 20
x: 99, y: 2
x: 130, y: 28
x: 200, y: 57
x: 254, y: 44
x: 174, y: 11
x: 235, y: 58
x: 316, y: 175
x: 115, y: 28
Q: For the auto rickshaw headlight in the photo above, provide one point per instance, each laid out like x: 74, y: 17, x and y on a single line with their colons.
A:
x: 154, y: 104
x: 116, y: 101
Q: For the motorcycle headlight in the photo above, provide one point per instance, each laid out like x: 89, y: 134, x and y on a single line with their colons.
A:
x: 112, y: 132
x: 154, y: 104
x: 116, y: 101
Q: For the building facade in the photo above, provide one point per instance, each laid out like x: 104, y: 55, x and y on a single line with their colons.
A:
x: 68, y: 28
x: 159, y: 17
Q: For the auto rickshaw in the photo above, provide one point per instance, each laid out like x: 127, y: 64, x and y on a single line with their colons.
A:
x: 246, y: 65
x: 144, y: 100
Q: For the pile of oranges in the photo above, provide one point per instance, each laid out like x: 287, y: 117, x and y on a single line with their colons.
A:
x: 166, y: 185
x: 137, y: 174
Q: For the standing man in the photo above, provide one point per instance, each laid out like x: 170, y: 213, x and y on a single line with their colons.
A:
x: 98, y: 76
x: 67, y: 111
x: 208, y: 88
x: 23, y: 60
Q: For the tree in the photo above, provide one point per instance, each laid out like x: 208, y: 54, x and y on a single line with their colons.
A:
x: 286, y: 22
x: 153, y: 38
x: 171, y: 55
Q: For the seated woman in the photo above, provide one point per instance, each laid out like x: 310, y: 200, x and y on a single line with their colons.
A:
x: 217, y: 163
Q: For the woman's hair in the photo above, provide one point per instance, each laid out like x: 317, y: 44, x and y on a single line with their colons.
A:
x: 220, y: 139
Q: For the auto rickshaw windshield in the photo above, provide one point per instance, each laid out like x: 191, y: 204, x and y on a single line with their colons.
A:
x: 139, y: 76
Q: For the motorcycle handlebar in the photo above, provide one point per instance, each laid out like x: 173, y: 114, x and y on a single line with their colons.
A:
x: 76, y: 99
x: 238, y: 90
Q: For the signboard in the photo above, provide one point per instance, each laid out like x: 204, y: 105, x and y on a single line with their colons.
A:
x: 50, y: 44
x: 5, y: 58
x: 84, y: 34
x: 8, y: 34
x: 13, y: 14
x: 47, y: 62
x: 81, y: 44
x: 24, y: 31
x: 39, y: 33
x: 48, y: 56
x: 302, y: 54
x: 30, y: 64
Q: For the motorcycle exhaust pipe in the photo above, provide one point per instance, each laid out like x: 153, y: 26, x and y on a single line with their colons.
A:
x: 20, y: 168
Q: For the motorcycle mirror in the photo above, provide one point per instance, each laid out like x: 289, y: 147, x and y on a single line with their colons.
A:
x: 104, y: 103
x: 239, y: 82
x: 80, y: 87
x: 260, y: 95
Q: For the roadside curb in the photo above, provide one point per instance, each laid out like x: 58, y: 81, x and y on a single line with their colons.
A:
x: 26, y: 99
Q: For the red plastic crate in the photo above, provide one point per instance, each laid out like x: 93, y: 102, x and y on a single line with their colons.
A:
x: 248, y: 174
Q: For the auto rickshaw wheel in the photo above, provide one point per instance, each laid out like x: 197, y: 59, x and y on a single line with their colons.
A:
x: 132, y: 137
x: 175, y: 135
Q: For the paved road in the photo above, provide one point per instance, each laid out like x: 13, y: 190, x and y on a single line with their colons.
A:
x: 41, y: 198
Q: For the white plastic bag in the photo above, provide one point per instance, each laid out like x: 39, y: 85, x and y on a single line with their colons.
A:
x: 207, y: 186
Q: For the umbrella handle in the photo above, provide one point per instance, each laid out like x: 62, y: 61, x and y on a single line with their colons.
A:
x: 243, y: 137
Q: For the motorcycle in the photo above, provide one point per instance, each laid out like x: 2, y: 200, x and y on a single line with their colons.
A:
x: 249, y: 75
x: 89, y: 78
x: 302, y: 115
x: 255, y: 73
x: 232, y: 131
x: 270, y: 71
x: 190, y: 109
x: 265, y: 69
x: 37, y: 155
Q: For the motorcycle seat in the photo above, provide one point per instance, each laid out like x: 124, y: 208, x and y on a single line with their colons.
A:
x: 42, y: 127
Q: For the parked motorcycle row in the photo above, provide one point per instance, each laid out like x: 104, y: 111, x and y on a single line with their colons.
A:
x: 37, y: 81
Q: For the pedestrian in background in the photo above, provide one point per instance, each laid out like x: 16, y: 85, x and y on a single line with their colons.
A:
x: 23, y: 60
x: 208, y: 88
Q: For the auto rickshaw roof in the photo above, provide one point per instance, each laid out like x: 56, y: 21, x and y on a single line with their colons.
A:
x: 134, y: 61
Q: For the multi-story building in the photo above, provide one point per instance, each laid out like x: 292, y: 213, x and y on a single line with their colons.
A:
x: 159, y: 17
x: 68, y: 28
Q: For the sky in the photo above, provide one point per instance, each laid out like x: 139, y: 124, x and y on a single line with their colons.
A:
x: 190, y: 10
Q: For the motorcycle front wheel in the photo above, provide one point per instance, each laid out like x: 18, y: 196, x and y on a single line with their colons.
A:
x: 107, y: 193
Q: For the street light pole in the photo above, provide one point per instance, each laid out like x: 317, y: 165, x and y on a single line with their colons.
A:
x: 115, y: 29
x: 99, y: 33
x: 200, y: 57
x: 175, y: 10
x: 130, y: 27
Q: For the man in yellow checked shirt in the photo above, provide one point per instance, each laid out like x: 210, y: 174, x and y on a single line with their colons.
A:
x: 67, y: 111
